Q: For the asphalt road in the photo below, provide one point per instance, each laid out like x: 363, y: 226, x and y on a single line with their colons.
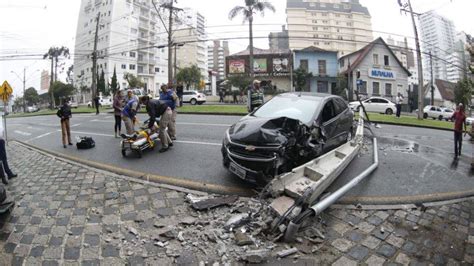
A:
x: 413, y: 161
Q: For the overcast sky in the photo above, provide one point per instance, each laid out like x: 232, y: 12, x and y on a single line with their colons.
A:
x: 32, y: 26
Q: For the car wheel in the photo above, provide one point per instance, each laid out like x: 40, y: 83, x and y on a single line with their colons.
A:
x: 389, y: 111
x: 139, y: 153
x: 89, y: 106
x: 425, y: 115
x: 358, y: 108
x: 440, y: 117
x: 200, y: 103
x: 124, y: 152
x: 193, y: 101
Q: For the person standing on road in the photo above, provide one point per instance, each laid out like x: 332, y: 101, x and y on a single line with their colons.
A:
x: 3, y: 158
x: 255, y: 96
x: 168, y: 96
x: 64, y: 113
x: 221, y: 96
x: 129, y: 112
x: 399, y: 101
x: 97, y: 104
x: 180, y: 92
x: 459, y: 118
x: 118, y: 106
x: 155, y: 109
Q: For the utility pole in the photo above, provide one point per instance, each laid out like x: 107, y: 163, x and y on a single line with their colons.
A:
x: 175, y: 63
x: 418, y: 55
x: 170, y: 43
x: 94, y: 61
x: 51, y: 82
x: 432, y: 87
x: 24, y: 84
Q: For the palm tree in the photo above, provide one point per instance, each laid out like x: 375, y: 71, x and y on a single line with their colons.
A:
x: 251, y: 8
x: 53, y: 54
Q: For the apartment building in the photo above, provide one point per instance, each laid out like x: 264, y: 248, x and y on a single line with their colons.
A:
x: 129, y: 33
x: 279, y: 40
x: 216, y: 55
x: 190, y: 35
x: 337, y: 25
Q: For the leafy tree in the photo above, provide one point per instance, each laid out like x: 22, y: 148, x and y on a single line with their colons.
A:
x: 341, y: 86
x: 53, y: 54
x: 133, y: 82
x: 18, y: 103
x: 114, y: 86
x: 70, y: 74
x: 240, y: 82
x: 101, y: 84
x: 31, y: 96
x: 301, y: 77
x: 251, y: 7
x: 189, y: 76
x: 463, y: 91
x: 61, y: 91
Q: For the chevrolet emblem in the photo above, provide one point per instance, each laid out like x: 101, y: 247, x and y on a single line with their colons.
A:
x: 250, y: 148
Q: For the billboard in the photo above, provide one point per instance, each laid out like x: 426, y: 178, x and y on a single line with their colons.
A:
x: 281, y: 65
x: 237, y: 66
x: 260, y: 65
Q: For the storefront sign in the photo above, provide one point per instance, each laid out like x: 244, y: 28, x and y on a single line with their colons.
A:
x: 237, y: 66
x: 280, y: 65
x: 381, y: 74
x: 260, y: 65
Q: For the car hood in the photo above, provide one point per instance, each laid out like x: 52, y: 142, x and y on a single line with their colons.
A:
x: 263, y: 131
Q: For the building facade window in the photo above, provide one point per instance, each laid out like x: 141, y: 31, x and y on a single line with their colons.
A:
x: 388, y: 89
x: 322, y: 67
x: 304, y: 64
x: 386, y: 60
x: 124, y: 66
x: 132, y: 54
x: 376, y: 59
x: 132, y: 67
x: 376, y: 88
x: 323, y: 87
x: 363, y: 87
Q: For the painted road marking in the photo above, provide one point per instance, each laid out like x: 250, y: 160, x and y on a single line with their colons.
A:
x: 178, y: 123
x: 22, y: 133
x: 41, y: 136
x: 177, y: 141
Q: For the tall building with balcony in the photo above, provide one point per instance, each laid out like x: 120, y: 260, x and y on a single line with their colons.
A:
x: 45, y: 80
x: 459, y: 59
x: 216, y: 55
x: 190, y: 32
x: 438, y: 36
x: 337, y: 25
x: 129, y: 32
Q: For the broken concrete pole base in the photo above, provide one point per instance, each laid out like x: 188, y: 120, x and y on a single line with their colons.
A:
x: 256, y: 256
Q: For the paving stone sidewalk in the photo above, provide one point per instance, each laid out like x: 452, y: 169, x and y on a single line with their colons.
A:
x: 67, y: 214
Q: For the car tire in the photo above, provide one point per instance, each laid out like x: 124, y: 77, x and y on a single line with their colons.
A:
x: 389, y: 111
x: 193, y: 101
x: 440, y: 117
x: 425, y: 115
x: 124, y: 152
x: 357, y: 108
x: 200, y: 103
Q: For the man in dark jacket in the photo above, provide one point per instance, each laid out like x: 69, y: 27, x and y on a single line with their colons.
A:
x: 65, y: 114
x: 159, y: 109
x: 96, y: 104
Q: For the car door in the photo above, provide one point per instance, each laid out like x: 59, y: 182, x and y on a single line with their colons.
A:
x: 328, y: 120
x: 344, y: 119
x: 369, y: 105
x: 383, y: 105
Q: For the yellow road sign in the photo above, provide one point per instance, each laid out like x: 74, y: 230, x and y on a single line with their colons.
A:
x: 5, y: 91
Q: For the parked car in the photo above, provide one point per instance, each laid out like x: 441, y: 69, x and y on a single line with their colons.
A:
x: 431, y: 111
x: 470, y: 121
x: 103, y: 101
x: 285, y: 132
x: 194, y: 97
x: 32, y: 109
x: 73, y: 104
x: 447, y: 113
x: 376, y: 105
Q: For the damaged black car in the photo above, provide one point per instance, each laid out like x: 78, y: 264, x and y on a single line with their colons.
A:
x: 287, y: 131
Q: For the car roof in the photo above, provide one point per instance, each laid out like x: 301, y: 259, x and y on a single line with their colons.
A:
x: 308, y: 95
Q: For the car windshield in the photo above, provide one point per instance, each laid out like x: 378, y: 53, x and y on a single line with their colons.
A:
x: 298, y: 108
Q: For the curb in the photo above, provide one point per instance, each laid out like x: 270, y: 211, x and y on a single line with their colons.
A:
x: 105, y: 112
x: 408, y: 125
x: 177, y: 183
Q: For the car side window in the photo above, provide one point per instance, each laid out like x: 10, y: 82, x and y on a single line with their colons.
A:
x: 438, y: 109
x: 383, y: 101
x: 433, y: 109
x: 340, y: 105
x: 328, y: 111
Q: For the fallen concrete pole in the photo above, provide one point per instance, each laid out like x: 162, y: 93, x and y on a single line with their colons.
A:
x: 318, y: 208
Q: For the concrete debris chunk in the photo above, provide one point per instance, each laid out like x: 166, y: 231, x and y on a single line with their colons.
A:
x: 193, y: 198
x: 180, y: 237
x: 221, y: 249
x: 161, y: 244
x: 188, y: 220
x: 168, y: 232
x: 236, y: 220
x: 214, y: 202
x: 242, y: 239
x: 287, y: 252
x: 281, y: 204
x: 256, y: 256
x: 133, y: 231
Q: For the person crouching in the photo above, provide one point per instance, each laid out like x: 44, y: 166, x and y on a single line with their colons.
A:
x: 159, y: 109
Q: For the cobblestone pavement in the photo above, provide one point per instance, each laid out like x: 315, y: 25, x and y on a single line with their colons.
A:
x: 67, y: 214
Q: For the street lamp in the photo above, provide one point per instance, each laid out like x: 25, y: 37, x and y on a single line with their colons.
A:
x: 24, y: 84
